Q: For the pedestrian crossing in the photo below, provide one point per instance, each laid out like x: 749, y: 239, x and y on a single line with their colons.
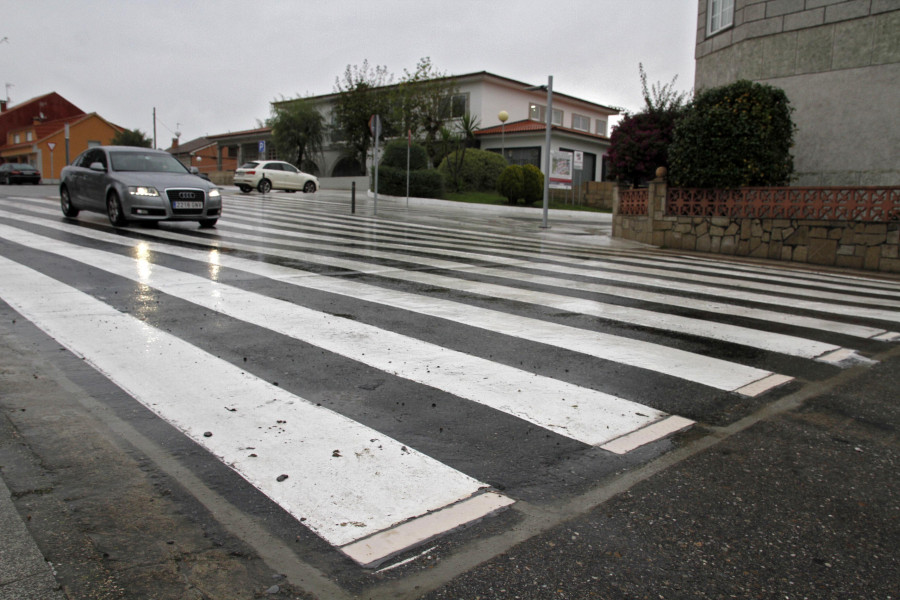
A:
x: 609, y: 340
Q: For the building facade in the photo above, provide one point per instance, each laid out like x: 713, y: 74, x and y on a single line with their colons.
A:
x: 838, y: 61
x: 578, y: 125
x: 49, y: 131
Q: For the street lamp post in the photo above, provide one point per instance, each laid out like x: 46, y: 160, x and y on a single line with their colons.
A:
x: 503, y: 116
x: 549, y: 125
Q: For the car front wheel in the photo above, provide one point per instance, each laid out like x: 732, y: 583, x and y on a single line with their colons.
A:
x: 206, y: 223
x: 114, y: 210
x: 246, y: 189
x: 65, y: 203
x: 309, y: 188
x: 265, y: 186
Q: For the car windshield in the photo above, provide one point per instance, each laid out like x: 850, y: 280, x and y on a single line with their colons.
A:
x: 249, y: 165
x: 152, y: 162
x: 24, y: 167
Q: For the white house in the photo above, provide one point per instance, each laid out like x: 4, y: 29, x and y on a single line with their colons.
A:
x: 577, y: 125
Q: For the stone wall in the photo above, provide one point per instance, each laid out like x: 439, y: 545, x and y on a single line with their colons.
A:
x: 868, y: 246
x: 872, y: 246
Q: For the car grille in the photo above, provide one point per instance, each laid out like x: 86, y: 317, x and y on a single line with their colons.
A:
x: 184, y: 196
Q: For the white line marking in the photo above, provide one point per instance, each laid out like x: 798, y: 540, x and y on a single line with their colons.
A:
x: 648, y: 434
x: 586, y: 415
x: 373, y: 550
x: 710, y: 371
x: 259, y: 430
x: 764, y: 385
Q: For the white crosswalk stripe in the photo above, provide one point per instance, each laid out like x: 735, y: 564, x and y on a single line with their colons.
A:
x: 370, y: 494
x: 366, y: 484
x: 701, y: 369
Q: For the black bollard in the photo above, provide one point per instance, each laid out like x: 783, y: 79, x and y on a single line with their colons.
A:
x: 352, y: 197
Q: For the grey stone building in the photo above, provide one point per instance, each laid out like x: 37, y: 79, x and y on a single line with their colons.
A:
x: 839, y: 63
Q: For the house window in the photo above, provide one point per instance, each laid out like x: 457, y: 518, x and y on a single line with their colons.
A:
x: 601, y: 127
x: 29, y: 136
x: 581, y: 123
x: 538, y: 112
x: 524, y: 156
x: 721, y: 15
x: 17, y: 139
x: 455, y: 106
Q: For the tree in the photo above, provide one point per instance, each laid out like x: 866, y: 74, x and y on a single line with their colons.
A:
x: 298, y: 131
x: 732, y: 136
x: 640, y: 142
x: 361, y: 94
x: 131, y: 137
x: 422, y: 105
x: 454, y: 143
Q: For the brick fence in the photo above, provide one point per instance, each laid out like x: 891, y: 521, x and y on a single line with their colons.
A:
x: 845, y: 227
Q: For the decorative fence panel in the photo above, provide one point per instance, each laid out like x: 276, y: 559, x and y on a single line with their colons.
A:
x: 633, y: 202
x: 865, y: 204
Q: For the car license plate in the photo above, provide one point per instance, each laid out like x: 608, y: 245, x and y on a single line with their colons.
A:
x: 182, y: 204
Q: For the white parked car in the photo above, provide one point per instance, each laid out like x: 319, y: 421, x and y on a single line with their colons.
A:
x: 267, y: 175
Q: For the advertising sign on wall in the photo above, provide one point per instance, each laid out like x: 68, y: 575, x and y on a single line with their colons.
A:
x: 561, y: 166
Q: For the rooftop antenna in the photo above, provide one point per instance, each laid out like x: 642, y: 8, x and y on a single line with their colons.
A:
x: 8, y: 85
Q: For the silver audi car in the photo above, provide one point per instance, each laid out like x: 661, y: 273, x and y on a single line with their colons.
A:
x: 137, y: 184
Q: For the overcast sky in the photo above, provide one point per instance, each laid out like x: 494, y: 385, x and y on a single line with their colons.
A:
x: 214, y: 66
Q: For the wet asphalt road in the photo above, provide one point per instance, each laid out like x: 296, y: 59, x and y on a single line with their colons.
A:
x: 791, y: 495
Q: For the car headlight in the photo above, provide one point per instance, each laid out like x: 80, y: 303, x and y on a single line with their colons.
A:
x: 142, y: 190
x: 214, y: 193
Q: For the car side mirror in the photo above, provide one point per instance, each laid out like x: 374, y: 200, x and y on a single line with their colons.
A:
x: 195, y: 171
x: 98, y: 166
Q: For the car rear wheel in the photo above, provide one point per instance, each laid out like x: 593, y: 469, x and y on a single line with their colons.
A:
x: 114, y: 210
x: 265, y: 186
x: 309, y: 188
x: 65, y: 203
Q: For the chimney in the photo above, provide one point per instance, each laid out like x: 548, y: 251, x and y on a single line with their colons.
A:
x: 3, y: 105
x: 174, y: 142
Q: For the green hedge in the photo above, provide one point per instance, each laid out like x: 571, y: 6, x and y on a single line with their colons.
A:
x: 424, y: 183
x: 395, y: 156
x: 479, y: 171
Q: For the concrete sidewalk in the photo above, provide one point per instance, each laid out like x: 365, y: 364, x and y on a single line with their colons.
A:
x: 24, y: 574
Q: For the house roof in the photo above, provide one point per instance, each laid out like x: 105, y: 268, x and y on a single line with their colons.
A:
x: 47, y: 129
x: 529, y: 126
x: 192, y: 146
x: 236, y: 135
x: 28, y: 103
x: 522, y: 86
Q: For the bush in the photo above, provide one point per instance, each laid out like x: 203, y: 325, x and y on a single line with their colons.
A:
x: 423, y: 183
x: 525, y: 182
x: 533, y: 185
x: 511, y: 183
x: 395, y: 156
x: 732, y: 136
x: 479, y: 171
x: 640, y: 143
